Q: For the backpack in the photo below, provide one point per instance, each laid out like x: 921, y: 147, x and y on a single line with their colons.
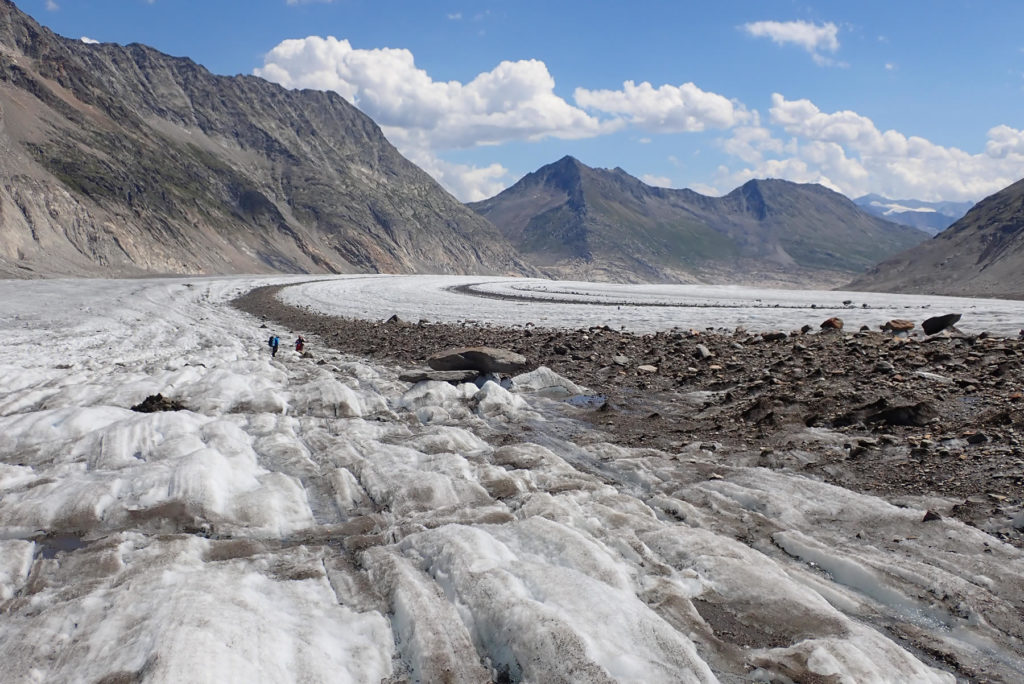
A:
x: 273, y: 341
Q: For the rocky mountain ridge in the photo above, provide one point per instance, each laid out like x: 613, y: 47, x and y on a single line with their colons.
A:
x: 981, y: 255
x: 121, y: 160
x: 600, y: 224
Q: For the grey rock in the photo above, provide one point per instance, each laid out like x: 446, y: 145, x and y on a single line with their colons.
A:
x: 703, y: 352
x: 919, y: 414
x: 483, y: 359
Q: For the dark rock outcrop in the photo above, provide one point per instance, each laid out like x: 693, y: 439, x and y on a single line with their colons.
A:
x: 937, y: 324
x: 158, y: 402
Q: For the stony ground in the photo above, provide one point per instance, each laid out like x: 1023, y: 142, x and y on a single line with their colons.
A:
x: 939, y: 416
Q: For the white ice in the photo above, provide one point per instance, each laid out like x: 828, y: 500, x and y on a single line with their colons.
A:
x: 318, y: 520
x: 640, y: 308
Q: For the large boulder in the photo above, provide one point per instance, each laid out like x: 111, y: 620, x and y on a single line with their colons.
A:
x: 937, y: 324
x: 483, y: 359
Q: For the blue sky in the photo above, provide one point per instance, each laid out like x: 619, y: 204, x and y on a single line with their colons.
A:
x: 908, y: 99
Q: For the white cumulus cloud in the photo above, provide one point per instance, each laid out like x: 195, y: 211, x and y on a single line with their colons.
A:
x: 815, y: 38
x: 1004, y: 142
x: 846, y: 151
x: 89, y: 41
x: 666, y: 109
x: 513, y: 101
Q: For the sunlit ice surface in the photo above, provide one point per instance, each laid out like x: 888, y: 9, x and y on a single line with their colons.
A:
x: 638, y: 308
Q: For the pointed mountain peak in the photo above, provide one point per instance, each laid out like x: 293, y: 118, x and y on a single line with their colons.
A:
x: 564, y: 174
x: 567, y: 160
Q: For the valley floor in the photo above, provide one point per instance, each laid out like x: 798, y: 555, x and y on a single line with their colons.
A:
x: 316, y: 519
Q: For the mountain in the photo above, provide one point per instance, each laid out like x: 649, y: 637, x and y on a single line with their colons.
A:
x: 931, y: 217
x: 599, y: 224
x: 982, y: 254
x: 120, y: 160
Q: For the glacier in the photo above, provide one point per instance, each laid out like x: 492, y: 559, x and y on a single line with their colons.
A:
x: 318, y: 520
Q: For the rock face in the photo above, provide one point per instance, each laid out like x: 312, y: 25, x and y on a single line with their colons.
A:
x: 483, y: 359
x: 982, y: 254
x: 120, y: 160
x: 599, y: 224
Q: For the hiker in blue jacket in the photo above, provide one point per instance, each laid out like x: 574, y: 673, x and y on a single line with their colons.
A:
x: 274, y: 341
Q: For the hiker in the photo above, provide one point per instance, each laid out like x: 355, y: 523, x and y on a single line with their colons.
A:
x: 274, y: 341
x: 299, y: 344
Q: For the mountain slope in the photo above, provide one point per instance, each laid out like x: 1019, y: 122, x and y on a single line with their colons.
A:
x: 118, y: 160
x: 982, y: 254
x: 603, y: 224
x: 931, y: 217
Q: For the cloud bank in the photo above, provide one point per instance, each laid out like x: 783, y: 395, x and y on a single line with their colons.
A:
x: 847, y: 152
x: 516, y: 101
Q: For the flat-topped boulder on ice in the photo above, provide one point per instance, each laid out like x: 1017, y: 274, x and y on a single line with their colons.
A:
x: 483, y: 359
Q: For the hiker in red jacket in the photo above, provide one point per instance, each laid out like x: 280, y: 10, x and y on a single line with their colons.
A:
x: 299, y: 343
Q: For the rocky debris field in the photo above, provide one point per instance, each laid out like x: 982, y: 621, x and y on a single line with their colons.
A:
x: 895, y: 414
